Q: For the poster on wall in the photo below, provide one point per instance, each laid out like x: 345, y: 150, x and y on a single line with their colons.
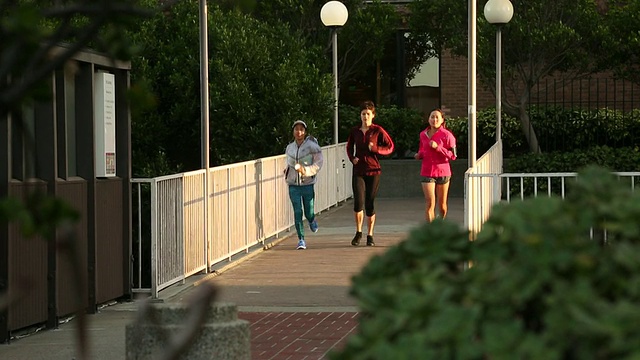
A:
x: 105, y: 124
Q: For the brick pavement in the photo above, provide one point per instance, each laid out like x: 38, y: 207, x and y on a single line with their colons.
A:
x: 298, y: 335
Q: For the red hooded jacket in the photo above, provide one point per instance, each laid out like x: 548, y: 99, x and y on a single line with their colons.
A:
x: 358, y: 147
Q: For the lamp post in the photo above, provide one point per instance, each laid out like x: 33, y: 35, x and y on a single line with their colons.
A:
x: 471, y: 111
x: 204, y: 117
x: 498, y: 12
x: 334, y: 15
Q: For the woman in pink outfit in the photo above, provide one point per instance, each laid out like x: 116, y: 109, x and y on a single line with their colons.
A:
x: 437, y: 148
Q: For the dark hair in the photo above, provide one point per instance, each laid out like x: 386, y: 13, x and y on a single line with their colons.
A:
x: 368, y: 105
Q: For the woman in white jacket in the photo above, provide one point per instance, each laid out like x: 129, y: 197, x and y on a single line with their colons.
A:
x: 304, y: 161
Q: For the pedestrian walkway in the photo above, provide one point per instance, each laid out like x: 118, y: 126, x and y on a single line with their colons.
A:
x: 297, y: 301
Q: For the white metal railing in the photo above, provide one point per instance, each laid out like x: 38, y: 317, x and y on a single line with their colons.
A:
x: 482, y: 188
x: 525, y: 185
x: 248, y: 203
x: 487, y: 185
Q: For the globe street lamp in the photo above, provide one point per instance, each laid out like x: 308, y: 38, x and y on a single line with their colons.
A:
x: 334, y: 15
x: 498, y: 12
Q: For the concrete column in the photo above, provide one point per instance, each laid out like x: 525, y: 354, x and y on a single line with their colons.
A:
x: 222, y: 336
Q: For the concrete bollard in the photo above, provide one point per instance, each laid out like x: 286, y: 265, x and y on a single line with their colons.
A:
x: 222, y: 336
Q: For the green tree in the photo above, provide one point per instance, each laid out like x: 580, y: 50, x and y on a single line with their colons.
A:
x: 262, y: 78
x: 32, y: 32
x: 361, y: 41
x: 543, y: 39
x: 621, y: 46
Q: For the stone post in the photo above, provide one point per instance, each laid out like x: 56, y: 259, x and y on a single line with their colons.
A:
x: 222, y: 336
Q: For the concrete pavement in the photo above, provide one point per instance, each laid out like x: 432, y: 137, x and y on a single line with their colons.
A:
x: 297, y: 301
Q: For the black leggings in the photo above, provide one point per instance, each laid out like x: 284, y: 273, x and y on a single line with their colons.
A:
x: 365, y: 189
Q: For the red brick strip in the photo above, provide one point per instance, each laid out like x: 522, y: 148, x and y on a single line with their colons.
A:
x: 298, y: 335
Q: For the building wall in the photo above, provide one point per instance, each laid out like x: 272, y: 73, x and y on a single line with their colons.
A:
x: 598, y: 91
x: 28, y: 269
x: 48, y: 151
x: 454, y: 85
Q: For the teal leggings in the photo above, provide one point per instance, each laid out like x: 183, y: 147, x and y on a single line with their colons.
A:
x: 302, y: 197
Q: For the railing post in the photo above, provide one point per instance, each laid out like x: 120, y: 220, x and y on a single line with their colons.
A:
x: 207, y: 227
x: 139, y: 235
x: 154, y: 238
x: 229, y: 212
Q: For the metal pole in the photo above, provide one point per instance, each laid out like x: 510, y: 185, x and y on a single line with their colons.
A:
x: 204, y: 105
x: 472, y: 83
x: 335, y: 85
x: 499, y: 83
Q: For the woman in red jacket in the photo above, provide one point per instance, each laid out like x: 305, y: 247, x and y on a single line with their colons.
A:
x: 364, y: 144
x: 437, y: 148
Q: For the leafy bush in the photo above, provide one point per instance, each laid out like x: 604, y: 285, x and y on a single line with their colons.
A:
x: 513, y: 140
x: 558, y: 130
x: 561, y: 129
x: 349, y: 116
x: 539, y: 287
x: 403, y: 125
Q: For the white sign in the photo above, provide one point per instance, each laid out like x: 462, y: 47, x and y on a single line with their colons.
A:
x: 105, y: 124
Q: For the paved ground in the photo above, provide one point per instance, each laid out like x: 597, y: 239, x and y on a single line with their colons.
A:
x: 297, y: 301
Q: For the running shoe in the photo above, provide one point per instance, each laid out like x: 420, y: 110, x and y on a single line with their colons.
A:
x: 313, y: 225
x: 356, y: 239
x: 301, y: 245
x: 370, y: 241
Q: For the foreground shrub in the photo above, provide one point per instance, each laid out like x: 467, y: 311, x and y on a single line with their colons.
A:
x: 550, y: 279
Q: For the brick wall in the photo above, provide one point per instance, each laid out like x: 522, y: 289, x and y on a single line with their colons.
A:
x: 599, y: 91
x: 454, y: 87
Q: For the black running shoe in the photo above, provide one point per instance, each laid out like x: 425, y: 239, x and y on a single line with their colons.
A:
x: 356, y: 239
x: 370, y: 241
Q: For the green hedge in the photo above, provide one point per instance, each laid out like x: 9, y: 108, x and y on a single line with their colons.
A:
x: 560, y: 129
x: 557, y: 129
x: 403, y: 125
x: 570, y: 138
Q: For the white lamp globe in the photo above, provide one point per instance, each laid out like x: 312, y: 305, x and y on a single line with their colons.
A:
x: 498, y: 11
x: 334, y: 13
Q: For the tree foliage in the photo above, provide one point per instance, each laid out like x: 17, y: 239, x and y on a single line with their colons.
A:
x: 262, y: 77
x: 360, y: 42
x: 621, y: 47
x: 543, y: 39
x: 33, y: 30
